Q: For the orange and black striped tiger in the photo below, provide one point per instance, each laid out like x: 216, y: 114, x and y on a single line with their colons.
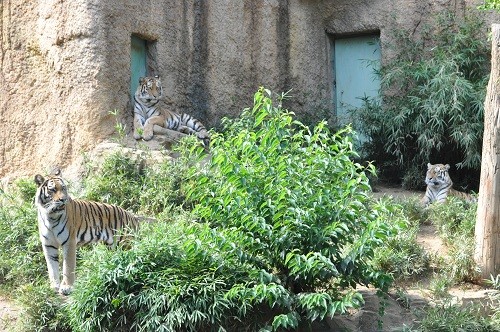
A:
x: 147, y: 114
x: 66, y: 223
x: 439, y: 185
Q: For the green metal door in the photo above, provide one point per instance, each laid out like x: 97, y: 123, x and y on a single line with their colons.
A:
x: 354, y: 63
x: 137, y: 62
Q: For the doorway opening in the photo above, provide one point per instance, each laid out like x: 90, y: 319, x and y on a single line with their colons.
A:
x: 355, y: 62
x: 142, y: 61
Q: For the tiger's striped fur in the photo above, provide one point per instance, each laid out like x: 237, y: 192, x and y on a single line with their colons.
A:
x: 147, y: 114
x: 439, y: 185
x: 66, y: 223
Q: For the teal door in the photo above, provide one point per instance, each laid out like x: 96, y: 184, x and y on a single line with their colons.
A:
x: 137, y: 62
x: 354, y: 61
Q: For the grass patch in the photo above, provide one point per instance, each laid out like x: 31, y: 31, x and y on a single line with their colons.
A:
x: 455, y: 222
x: 447, y: 317
x: 401, y: 255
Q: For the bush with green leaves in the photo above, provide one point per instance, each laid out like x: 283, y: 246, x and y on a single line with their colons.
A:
x: 21, y: 258
x: 299, y: 207
x: 414, y: 211
x: 490, y: 4
x: 174, y: 277
x: 454, y: 219
x: 434, y: 92
x: 117, y: 181
x: 495, y: 304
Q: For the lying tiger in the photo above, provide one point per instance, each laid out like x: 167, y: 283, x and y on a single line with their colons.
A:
x: 147, y: 114
x: 66, y: 223
x: 439, y: 185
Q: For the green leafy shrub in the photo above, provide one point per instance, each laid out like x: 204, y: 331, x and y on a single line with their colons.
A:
x: 21, y: 257
x: 414, y: 211
x: 25, y: 189
x: 494, y: 282
x: 490, y: 4
x: 434, y: 92
x: 299, y: 207
x: 461, y: 266
x: 118, y: 181
x: 163, y: 185
x: 495, y: 307
x: 175, y: 277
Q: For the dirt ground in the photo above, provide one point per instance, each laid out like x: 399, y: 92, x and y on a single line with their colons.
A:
x: 9, y: 313
x: 400, y: 314
x: 397, y: 314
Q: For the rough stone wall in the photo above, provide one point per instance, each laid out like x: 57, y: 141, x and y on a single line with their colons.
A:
x: 64, y: 65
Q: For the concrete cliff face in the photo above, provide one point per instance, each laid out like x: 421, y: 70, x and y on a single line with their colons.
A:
x: 64, y: 65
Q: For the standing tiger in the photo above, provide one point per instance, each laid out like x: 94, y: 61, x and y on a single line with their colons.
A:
x: 147, y: 113
x: 439, y: 185
x: 66, y: 223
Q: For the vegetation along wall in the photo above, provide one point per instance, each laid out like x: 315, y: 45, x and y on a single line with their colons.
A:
x: 64, y: 65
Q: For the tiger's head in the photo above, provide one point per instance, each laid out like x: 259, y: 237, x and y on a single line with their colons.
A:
x: 149, y: 90
x: 437, y: 175
x: 52, y: 194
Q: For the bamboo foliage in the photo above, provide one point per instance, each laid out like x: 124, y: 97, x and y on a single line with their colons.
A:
x: 432, y: 107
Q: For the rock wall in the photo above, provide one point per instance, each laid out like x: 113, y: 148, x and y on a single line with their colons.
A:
x: 64, y: 65
x: 50, y: 78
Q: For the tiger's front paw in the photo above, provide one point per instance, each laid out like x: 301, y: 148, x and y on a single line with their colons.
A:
x: 65, y: 290
x: 147, y: 136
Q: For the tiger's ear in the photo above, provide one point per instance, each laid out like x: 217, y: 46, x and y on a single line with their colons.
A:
x: 39, y: 180
x: 142, y: 80
x: 56, y: 171
x: 429, y: 165
x: 447, y: 166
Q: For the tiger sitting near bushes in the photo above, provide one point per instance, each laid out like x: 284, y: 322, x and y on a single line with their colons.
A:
x: 439, y: 185
x: 66, y: 223
x: 147, y: 114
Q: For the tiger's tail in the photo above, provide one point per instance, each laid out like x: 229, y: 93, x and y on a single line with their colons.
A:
x: 187, y: 124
